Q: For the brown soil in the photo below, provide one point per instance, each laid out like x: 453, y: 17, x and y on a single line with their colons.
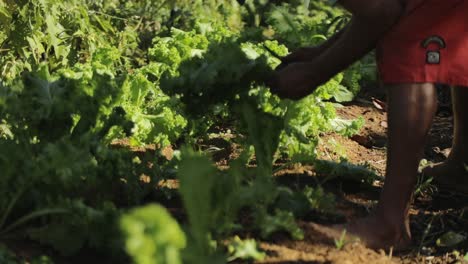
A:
x: 317, y: 249
x: 430, y: 216
x: 366, y: 147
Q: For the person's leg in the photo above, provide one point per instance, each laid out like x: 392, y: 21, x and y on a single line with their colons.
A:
x: 410, y: 115
x: 411, y: 108
x: 452, y: 173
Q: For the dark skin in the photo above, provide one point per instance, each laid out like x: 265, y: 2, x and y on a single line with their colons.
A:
x: 411, y: 108
x: 368, y: 25
x: 452, y: 174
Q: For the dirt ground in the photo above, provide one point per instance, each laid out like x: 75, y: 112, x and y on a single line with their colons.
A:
x: 433, y: 214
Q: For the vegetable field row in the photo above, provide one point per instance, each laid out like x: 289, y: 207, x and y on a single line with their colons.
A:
x: 102, y: 102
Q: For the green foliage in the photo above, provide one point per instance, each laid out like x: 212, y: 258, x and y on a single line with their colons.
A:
x: 41, y: 260
x: 450, y: 239
x: 214, y: 199
x: 82, y: 227
x: 197, y: 178
x: 340, y: 243
x: 198, y: 185
x: 59, y: 32
x: 244, y: 250
x: 264, y: 130
x: 346, y: 171
x: 152, y: 236
x: 305, y: 120
x: 78, y: 76
x: 230, y: 71
x: 280, y: 221
x: 319, y: 200
x: 57, y: 156
x: 300, y: 203
x: 155, y: 116
x: 297, y: 25
x: 6, y: 256
x: 424, y: 185
x: 347, y: 128
x: 215, y: 76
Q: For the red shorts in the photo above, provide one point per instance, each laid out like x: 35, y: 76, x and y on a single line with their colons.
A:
x: 428, y: 44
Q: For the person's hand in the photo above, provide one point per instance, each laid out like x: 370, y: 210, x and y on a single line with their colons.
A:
x: 305, y: 54
x: 295, y: 81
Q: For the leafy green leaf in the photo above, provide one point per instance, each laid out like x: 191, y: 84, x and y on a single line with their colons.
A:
x: 280, y: 221
x: 152, y: 236
x: 343, y: 95
x: 450, y: 239
x: 244, y: 250
x: 197, y: 178
x: 264, y: 132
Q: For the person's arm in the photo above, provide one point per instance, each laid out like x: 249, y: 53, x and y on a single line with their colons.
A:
x: 369, y: 23
x: 371, y: 20
x: 354, y: 6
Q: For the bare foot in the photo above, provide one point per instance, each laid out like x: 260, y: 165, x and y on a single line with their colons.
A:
x: 450, y: 175
x: 369, y: 231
